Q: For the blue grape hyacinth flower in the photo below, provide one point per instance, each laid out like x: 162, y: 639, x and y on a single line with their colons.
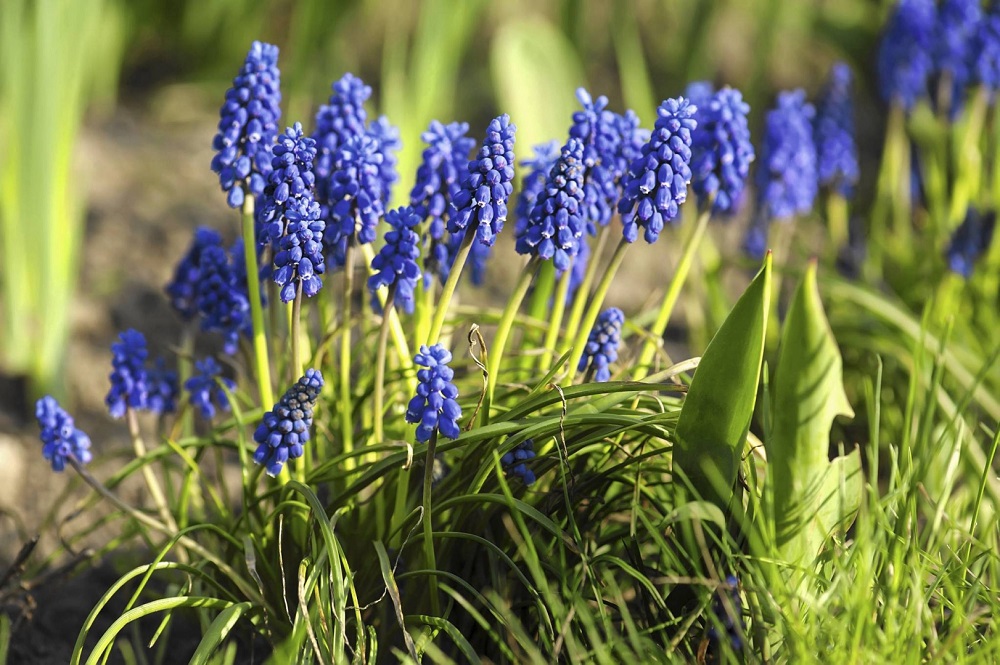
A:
x: 602, y: 344
x: 597, y: 129
x: 205, y: 393
x: 129, y: 382
x: 656, y: 184
x: 787, y: 180
x: 357, y: 197
x: 721, y: 151
x: 970, y: 241
x: 387, y: 134
x: 248, y: 124
x: 905, y: 55
x: 986, y: 50
x: 538, y: 166
x: 633, y: 138
x: 434, y: 406
x: 285, y: 428
x: 222, y: 298
x: 61, y: 439
x: 481, y: 201
x: 699, y: 93
x: 514, y: 462
x: 555, y: 226
x: 183, y: 287
x: 342, y: 118
x: 291, y: 221
x: 397, y: 261
x: 163, y: 388
x: 836, y: 149
x: 957, y: 25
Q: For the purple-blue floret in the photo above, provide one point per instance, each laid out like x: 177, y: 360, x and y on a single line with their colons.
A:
x: 222, y: 296
x: 387, y: 134
x: 435, y: 405
x: 205, y: 393
x: 957, y: 25
x: 163, y: 388
x: 481, y: 201
x: 970, y: 241
x: 397, y: 261
x: 602, y: 345
x: 836, y: 149
x: 357, y: 197
x: 905, y: 55
x: 248, y: 124
x: 786, y: 176
x: 61, y: 439
x: 986, y: 50
x: 721, y: 150
x: 597, y: 129
x: 514, y: 462
x: 182, y: 290
x: 532, y: 184
x: 656, y: 184
x: 129, y: 380
x: 342, y: 118
x: 285, y: 428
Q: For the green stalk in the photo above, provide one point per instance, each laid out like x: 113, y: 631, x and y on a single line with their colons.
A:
x: 595, y: 307
x: 967, y: 159
x: 395, y: 327
x: 888, y: 178
x: 837, y: 220
x: 583, y: 291
x: 555, y: 322
x: 538, y: 306
x: 261, y: 362
x: 296, y: 331
x: 344, y: 408
x: 155, y: 491
x: 379, y: 397
x: 495, y: 356
x: 428, y: 526
x: 673, y: 293
x: 444, y: 302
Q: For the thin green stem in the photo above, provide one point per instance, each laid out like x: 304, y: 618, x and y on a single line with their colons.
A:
x: 379, y: 393
x: 428, y: 522
x: 583, y: 291
x: 344, y: 408
x: 495, y: 356
x: 655, y: 336
x: 151, y: 482
x: 555, y: 322
x: 595, y: 307
x: 262, y: 364
x: 296, y: 332
x: 837, y: 220
x: 448, y: 290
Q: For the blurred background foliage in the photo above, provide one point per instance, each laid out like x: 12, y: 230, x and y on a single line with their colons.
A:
x: 445, y: 59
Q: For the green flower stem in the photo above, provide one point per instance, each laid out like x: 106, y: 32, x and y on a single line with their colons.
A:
x: 894, y: 152
x: 155, y: 490
x: 538, y: 307
x: 583, y: 291
x: 344, y: 407
x: 673, y: 293
x: 395, y: 326
x: 947, y: 297
x: 967, y: 159
x: 296, y: 332
x: 555, y: 322
x: 837, y: 220
x: 399, y: 507
x: 261, y: 362
x: 595, y: 308
x: 383, y: 340
x: 495, y: 355
x: 428, y: 525
x: 185, y: 362
x: 448, y: 291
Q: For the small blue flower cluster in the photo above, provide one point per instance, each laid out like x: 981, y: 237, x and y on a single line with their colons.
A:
x: 786, y: 178
x: 134, y: 385
x: 514, y: 462
x: 533, y: 183
x: 656, y: 184
x: 730, y: 617
x: 183, y: 288
x: 434, y: 406
x: 957, y: 26
x: 387, y: 135
x: 285, y: 428
x: 221, y: 296
x: 337, y: 121
x: 721, y: 149
x: 836, y: 151
x: 438, y: 177
x: 602, y: 344
x: 554, y: 228
x: 290, y: 220
x: 986, y: 50
x: 397, y: 261
x: 61, y: 440
x: 205, y: 393
x: 970, y: 241
x: 633, y: 138
x: 904, y: 58
x: 597, y: 129
x: 482, y: 198
x: 356, y: 196
x: 248, y: 124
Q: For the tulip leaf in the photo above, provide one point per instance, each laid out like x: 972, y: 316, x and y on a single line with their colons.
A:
x: 810, y: 495
x: 715, y: 418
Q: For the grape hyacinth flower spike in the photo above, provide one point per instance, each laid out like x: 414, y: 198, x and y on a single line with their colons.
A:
x: 129, y: 380
x: 356, y: 197
x: 387, y: 135
x: 481, y: 202
x: 221, y: 296
x: 597, y: 129
x: 836, y: 149
x: 514, y: 464
x: 206, y: 395
x: 342, y: 118
x: 183, y: 288
x: 957, y: 26
x: 396, y: 263
x: 602, y: 345
x: 532, y: 184
x: 786, y: 177
x: 163, y: 388
x: 554, y: 227
x: 986, y: 51
x: 61, y: 439
x: 285, y: 428
x: 721, y: 150
x: 970, y: 241
x: 248, y: 125
x: 291, y: 220
x: 905, y: 55
x: 656, y: 184
x: 434, y: 406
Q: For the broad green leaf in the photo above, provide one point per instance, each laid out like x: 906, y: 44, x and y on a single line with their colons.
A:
x: 715, y: 417
x: 807, y: 393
